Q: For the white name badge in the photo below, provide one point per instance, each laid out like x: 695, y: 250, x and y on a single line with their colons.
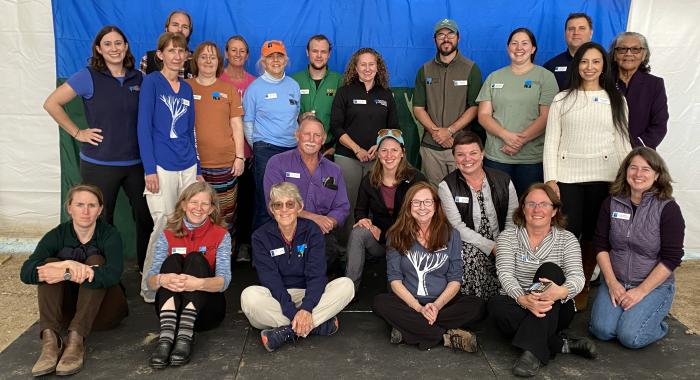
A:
x: 185, y: 102
x: 527, y: 259
x: 272, y: 95
x: 497, y: 85
x: 600, y: 100
x: 178, y: 251
x: 304, y: 91
x: 461, y: 200
x: 621, y: 215
x: 460, y: 82
x: 359, y: 101
x: 197, y: 97
x: 559, y: 69
x: 292, y: 175
x: 276, y: 252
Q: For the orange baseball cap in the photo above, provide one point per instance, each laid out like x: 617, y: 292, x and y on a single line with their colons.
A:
x: 273, y: 46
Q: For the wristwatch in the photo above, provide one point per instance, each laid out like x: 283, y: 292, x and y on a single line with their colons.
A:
x: 66, y: 275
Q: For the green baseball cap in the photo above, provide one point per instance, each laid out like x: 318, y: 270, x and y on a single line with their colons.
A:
x: 446, y: 23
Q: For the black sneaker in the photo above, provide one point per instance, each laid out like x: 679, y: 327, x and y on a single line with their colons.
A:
x: 583, y: 347
x: 327, y: 328
x: 396, y: 336
x: 273, y: 339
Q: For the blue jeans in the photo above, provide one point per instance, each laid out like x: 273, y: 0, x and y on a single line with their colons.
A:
x: 262, y: 152
x: 522, y: 175
x: 637, y: 327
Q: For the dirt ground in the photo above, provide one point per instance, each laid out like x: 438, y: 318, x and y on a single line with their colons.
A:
x: 19, y: 306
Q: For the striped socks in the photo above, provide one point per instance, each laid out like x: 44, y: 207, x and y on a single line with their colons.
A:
x: 168, y: 320
x: 186, y: 327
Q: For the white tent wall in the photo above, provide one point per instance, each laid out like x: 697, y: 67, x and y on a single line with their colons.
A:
x: 30, y: 180
x: 671, y: 30
x: 30, y: 176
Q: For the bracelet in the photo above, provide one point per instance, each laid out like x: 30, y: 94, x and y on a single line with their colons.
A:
x: 76, y: 133
x: 449, y: 129
x: 158, y: 281
x: 239, y: 158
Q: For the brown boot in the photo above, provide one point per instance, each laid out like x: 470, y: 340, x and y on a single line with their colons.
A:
x: 588, y: 259
x: 72, y: 359
x: 51, y: 346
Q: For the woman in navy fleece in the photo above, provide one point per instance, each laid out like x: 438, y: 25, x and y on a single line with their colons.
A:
x: 166, y: 138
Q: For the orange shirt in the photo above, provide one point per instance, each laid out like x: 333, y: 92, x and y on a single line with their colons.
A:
x: 214, y: 106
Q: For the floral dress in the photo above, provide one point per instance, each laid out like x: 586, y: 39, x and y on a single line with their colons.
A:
x: 479, y: 277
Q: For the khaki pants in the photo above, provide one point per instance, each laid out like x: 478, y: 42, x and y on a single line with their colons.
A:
x: 161, y: 205
x: 437, y: 164
x: 264, y: 312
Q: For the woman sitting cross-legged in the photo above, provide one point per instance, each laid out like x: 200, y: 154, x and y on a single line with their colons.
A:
x: 424, y: 269
x: 539, y: 266
x: 191, y: 270
x: 295, y: 299
x: 77, y: 267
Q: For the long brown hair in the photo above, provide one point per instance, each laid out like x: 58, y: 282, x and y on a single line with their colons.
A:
x: 97, y: 61
x: 402, y: 170
x: 558, y: 220
x: 175, y: 220
x: 661, y: 187
x: 382, y: 77
x: 404, y: 232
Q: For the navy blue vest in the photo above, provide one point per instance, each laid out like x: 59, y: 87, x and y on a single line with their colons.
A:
x: 113, y: 108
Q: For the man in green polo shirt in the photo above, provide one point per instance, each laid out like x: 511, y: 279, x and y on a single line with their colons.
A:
x: 444, y: 100
x: 318, y: 85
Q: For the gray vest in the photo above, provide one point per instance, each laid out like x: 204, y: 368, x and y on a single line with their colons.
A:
x: 446, y: 92
x: 635, y: 237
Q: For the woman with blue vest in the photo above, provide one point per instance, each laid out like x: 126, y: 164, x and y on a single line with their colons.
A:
x: 109, y: 150
x: 639, y: 240
x: 190, y: 272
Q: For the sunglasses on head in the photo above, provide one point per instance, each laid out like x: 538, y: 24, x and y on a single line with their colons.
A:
x: 392, y: 132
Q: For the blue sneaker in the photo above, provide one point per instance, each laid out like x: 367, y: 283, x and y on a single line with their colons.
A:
x: 326, y: 328
x: 273, y: 339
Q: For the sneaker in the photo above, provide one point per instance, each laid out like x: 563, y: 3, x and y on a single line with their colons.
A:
x: 243, y: 253
x: 327, y: 328
x: 459, y: 339
x: 396, y: 337
x: 273, y: 339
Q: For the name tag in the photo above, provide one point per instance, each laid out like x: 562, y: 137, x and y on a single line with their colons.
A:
x: 526, y: 258
x: 185, y: 102
x: 197, y: 97
x: 621, y: 215
x: 276, y: 252
x: 178, y: 251
x: 460, y: 82
x: 272, y: 95
x: 304, y: 91
x: 359, y: 101
x: 292, y: 175
x: 461, y: 200
x: 134, y: 88
x: 559, y: 69
x: 600, y: 100
x: 497, y: 85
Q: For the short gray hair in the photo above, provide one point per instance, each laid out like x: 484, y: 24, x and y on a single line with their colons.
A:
x: 285, y: 189
x: 644, y: 66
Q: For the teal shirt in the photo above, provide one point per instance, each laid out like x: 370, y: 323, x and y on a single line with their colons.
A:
x: 106, y: 238
x: 318, y: 100
x: 516, y: 101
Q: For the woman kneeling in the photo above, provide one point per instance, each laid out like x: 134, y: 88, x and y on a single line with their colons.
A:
x: 539, y: 266
x: 191, y: 270
x: 77, y: 267
x: 424, y: 269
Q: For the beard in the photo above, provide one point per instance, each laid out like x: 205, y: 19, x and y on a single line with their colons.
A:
x: 318, y: 67
x: 444, y: 53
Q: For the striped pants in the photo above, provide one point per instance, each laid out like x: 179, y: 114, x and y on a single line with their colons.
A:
x: 226, y: 186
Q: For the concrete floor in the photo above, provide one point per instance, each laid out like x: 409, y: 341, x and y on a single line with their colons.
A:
x: 360, y: 350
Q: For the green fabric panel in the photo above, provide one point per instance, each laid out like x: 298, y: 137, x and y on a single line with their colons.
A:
x: 69, y: 150
x: 412, y: 131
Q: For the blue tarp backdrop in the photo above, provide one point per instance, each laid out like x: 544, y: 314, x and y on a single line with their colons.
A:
x: 400, y: 30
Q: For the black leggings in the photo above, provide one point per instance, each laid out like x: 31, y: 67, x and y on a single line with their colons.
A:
x: 211, y: 307
x: 531, y: 333
x: 581, y: 205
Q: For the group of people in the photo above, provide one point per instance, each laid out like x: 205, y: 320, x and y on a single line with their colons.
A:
x: 510, y: 222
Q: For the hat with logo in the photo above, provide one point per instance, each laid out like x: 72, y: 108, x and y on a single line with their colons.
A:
x: 446, y: 23
x: 273, y: 46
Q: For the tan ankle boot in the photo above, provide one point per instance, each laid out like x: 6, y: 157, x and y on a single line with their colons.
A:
x: 51, y: 346
x: 72, y: 359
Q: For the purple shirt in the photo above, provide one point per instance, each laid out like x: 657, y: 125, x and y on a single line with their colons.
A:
x: 648, y: 107
x: 323, y: 192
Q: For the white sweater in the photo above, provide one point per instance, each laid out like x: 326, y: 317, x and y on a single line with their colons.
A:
x: 581, y: 142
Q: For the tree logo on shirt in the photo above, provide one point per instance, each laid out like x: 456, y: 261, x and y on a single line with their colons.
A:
x: 425, y: 263
x: 177, y: 107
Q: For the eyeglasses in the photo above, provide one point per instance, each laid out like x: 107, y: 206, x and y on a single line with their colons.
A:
x: 442, y: 36
x: 425, y: 202
x: 207, y: 58
x: 392, y: 132
x: 624, y: 50
x: 542, y: 205
x: 289, y: 205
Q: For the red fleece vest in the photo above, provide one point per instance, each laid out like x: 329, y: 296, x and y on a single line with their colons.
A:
x: 205, y: 239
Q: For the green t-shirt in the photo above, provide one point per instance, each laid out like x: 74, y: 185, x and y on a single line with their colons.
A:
x: 515, y: 100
